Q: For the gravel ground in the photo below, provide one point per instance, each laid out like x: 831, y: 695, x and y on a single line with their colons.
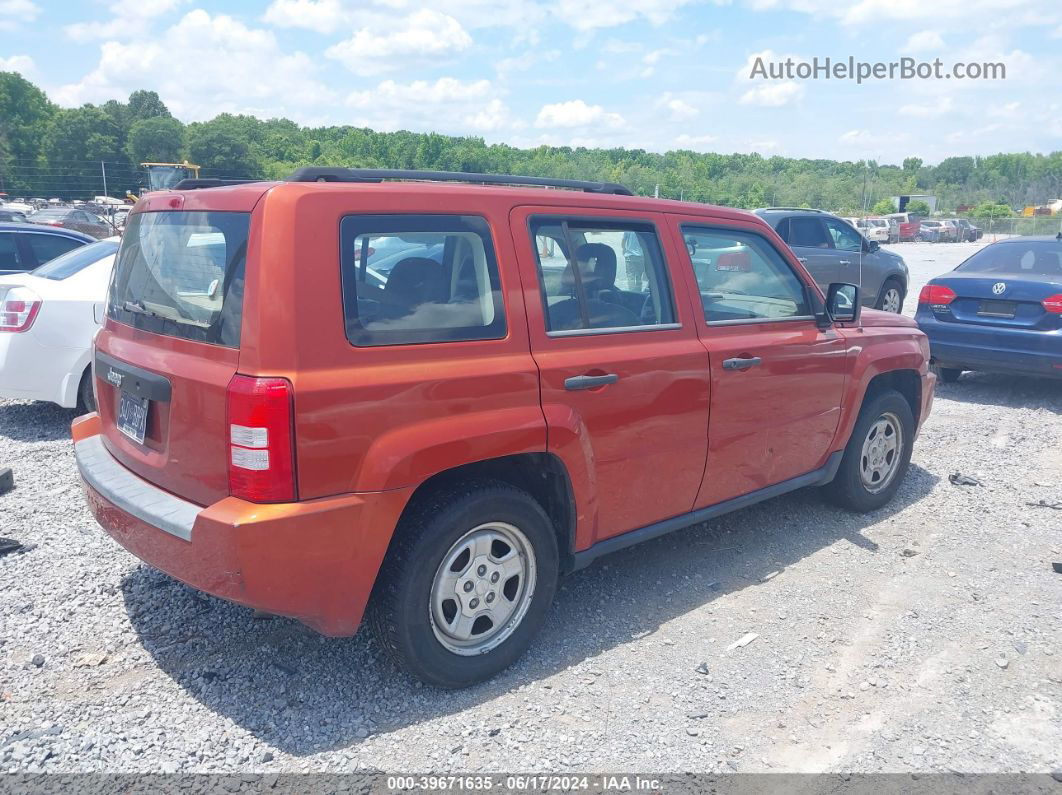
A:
x: 923, y: 637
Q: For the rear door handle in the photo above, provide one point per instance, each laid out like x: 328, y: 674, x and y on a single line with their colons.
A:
x: 802, y: 260
x: 743, y: 363
x: 845, y: 261
x: 589, y: 381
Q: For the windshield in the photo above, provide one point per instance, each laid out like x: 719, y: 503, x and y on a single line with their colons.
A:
x: 1028, y: 258
x: 65, y: 266
x: 181, y: 274
x: 165, y: 177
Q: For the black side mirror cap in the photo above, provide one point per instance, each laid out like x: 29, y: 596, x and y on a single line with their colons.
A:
x: 842, y: 302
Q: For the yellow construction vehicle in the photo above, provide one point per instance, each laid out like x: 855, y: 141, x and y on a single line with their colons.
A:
x: 163, y: 176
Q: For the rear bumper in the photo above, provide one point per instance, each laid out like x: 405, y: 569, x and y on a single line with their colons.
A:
x: 315, y: 561
x: 968, y: 347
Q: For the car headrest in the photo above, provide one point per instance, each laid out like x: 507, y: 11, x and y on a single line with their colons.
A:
x: 417, y: 280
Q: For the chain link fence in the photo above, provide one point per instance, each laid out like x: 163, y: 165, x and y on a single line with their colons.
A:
x: 1007, y: 227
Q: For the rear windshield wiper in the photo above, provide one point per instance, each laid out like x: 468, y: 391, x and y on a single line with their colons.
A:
x: 137, y: 308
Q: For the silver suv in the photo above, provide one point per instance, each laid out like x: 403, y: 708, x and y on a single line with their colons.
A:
x: 833, y: 251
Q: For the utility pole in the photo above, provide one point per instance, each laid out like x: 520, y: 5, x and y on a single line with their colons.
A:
x: 103, y: 170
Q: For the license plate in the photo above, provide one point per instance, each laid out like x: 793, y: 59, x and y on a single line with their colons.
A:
x: 997, y: 308
x: 132, y: 416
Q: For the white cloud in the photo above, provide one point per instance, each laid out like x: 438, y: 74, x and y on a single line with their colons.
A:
x: 590, y: 14
x: 930, y: 110
x: 924, y: 41
x: 130, y: 21
x: 678, y: 109
x: 864, y: 139
x: 445, y: 105
x: 576, y: 113
x: 971, y: 14
x: 22, y: 64
x: 255, y: 76
x: 323, y: 16
x: 695, y: 142
x: 15, y: 12
x: 422, y: 37
x: 773, y: 95
x: 765, y: 92
x: 521, y: 63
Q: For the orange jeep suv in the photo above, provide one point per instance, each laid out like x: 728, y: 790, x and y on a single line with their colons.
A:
x: 424, y: 396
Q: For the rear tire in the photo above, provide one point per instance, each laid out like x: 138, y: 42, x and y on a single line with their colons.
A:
x: 891, y: 297
x: 453, y: 553
x: 949, y: 375
x: 86, y: 395
x: 877, y: 455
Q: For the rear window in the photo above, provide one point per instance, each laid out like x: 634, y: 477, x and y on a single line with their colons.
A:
x: 181, y: 274
x: 75, y: 261
x: 1027, y: 258
x: 419, y: 278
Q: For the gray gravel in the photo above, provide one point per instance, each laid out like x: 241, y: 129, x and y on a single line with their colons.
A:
x: 922, y: 637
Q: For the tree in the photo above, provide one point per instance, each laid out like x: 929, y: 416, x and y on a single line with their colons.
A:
x: 75, y: 142
x: 217, y: 146
x: 912, y: 163
x: 917, y: 207
x: 883, y: 207
x: 24, y: 114
x: 987, y: 210
x: 158, y: 139
x: 147, y: 105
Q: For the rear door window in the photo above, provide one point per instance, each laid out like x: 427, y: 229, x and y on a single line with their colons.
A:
x: 65, y: 266
x: 419, y: 278
x: 9, y: 257
x: 181, y: 274
x: 742, y: 277
x: 45, y: 248
x: 808, y: 232
x: 601, y: 275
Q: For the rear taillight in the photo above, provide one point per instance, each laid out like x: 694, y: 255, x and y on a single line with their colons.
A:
x: 19, y: 309
x: 1053, y: 304
x: 261, y: 439
x: 936, y: 294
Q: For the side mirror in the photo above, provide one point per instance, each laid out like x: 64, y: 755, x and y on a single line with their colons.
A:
x: 842, y: 302
x: 870, y: 246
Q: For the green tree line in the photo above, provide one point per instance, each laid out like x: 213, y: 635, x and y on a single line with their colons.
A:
x: 48, y: 151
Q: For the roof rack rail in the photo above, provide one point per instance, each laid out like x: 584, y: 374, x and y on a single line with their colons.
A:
x: 795, y: 209
x: 334, y: 174
x: 198, y: 183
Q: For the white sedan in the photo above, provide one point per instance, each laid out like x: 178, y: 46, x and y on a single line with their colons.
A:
x: 48, y: 318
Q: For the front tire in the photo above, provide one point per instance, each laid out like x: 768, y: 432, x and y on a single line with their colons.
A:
x: 891, y: 297
x: 466, y: 584
x: 877, y: 455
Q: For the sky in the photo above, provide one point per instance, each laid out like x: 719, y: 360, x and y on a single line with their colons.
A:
x: 649, y: 74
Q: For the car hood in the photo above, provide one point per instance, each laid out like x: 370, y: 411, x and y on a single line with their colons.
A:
x: 875, y: 318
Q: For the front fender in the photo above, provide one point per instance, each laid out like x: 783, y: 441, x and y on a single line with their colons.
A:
x: 872, y: 352
x: 409, y: 455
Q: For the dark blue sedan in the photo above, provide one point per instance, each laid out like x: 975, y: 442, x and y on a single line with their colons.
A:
x: 1000, y: 310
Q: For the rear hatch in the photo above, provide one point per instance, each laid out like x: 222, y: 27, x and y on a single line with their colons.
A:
x: 170, y: 346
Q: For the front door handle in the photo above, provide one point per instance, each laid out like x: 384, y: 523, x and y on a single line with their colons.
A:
x: 743, y: 363
x: 845, y: 262
x: 589, y: 381
x: 802, y: 260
